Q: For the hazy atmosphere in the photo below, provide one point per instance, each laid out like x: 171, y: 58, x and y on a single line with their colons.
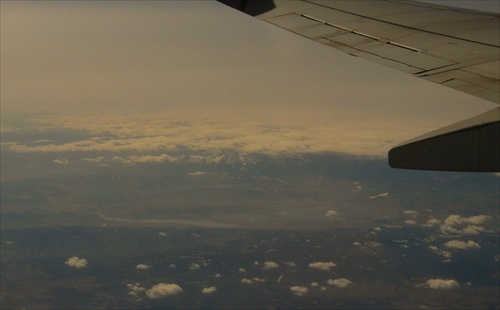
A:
x: 180, y: 154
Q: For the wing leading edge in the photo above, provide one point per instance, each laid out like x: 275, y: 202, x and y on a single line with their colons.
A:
x: 453, y: 47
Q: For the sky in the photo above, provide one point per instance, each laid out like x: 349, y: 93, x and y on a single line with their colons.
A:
x: 204, y: 62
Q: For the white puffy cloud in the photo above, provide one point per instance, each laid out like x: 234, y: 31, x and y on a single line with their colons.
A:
x: 462, y: 245
x: 457, y: 225
x: 322, y: 265
x: 135, y: 289
x: 246, y: 281
x: 330, y: 213
x: 290, y: 264
x: 299, y: 290
x: 242, y: 270
x: 172, y: 266
x: 208, y: 290
x: 163, y: 289
x: 62, y: 161
x: 270, y: 265
x: 473, y: 230
x: 454, y: 219
x: 76, y: 262
x: 258, y: 279
x: 340, y: 283
x: 440, y: 284
x: 410, y: 222
x: 143, y: 266
x: 314, y: 284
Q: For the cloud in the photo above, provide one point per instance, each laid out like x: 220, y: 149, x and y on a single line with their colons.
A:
x: 162, y: 234
x: 143, y: 266
x: 322, y: 265
x: 411, y: 213
x: 436, y: 250
x: 290, y: 264
x: 340, y: 283
x: 62, y: 161
x: 194, y: 266
x: 196, y: 173
x: 432, y: 222
x: 462, y: 245
x: 153, y: 158
x: 454, y: 219
x: 151, y: 133
x: 457, y: 225
x: 77, y: 262
x: 299, y: 290
x: 473, y: 230
x: 122, y: 160
x: 314, y: 284
x: 135, y: 289
x: 208, y: 290
x: 330, y: 213
x: 98, y: 160
x: 410, y: 222
x: 270, y: 265
x: 242, y: 270
x: 440, y: 284
x: 246, y: 281
x: 382, y: 195
x: 162, y: 289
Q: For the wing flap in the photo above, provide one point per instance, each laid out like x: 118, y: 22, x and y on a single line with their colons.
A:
x: 420, y: 39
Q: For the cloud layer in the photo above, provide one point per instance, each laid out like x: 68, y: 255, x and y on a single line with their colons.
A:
x: 166, y: 134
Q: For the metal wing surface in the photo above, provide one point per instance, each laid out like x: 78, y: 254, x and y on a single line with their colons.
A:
x: 453, y: 47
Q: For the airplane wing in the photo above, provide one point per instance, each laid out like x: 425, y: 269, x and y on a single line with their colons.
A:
x: 453, y: 47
